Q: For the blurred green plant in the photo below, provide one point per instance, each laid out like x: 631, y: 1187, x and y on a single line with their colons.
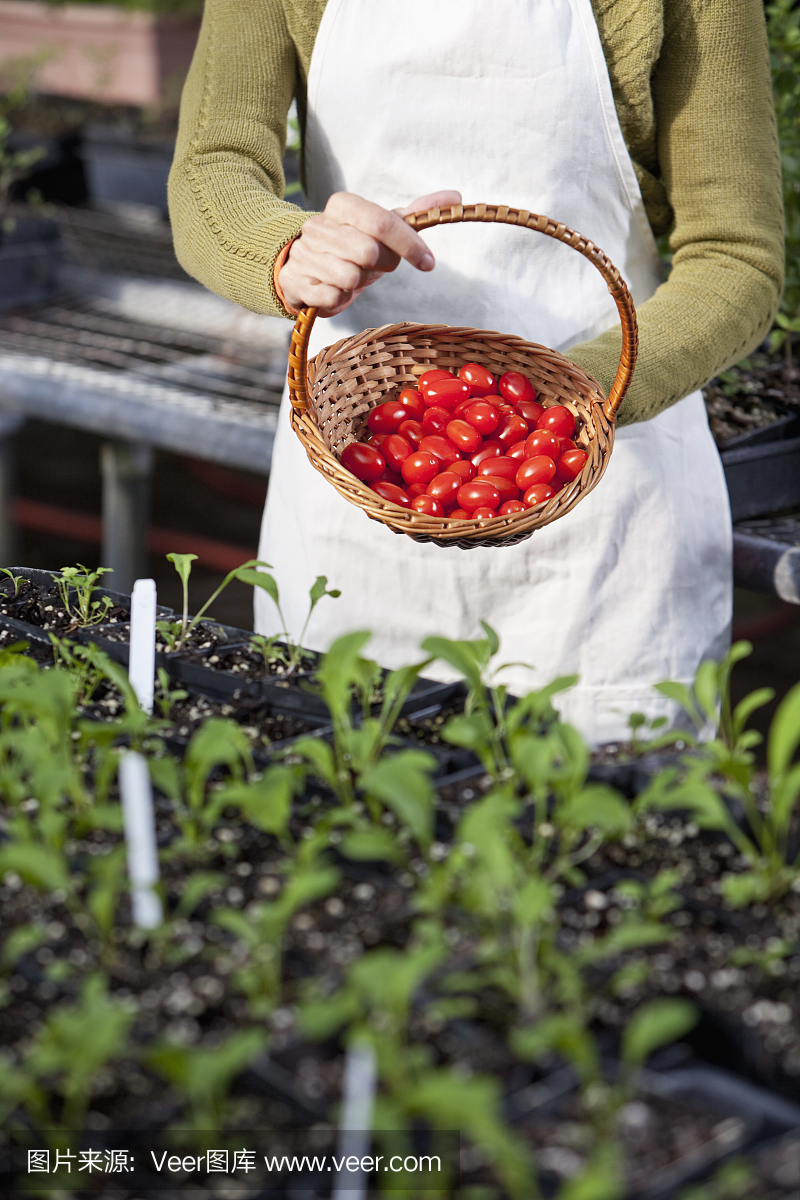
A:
x: 783, y: 29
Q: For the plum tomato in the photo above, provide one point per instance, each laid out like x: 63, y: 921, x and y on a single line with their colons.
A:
x: 430, y: 376
x: 396, y: 450
x: 444, y: 487
x: 415, y: 489
x: 442, y: 447
x: 390, y: 491
x: 459, y: 514
x: 491, y: 448
x: 558, y: 419
x: 504, y: 408
x: 537, y: 493
x: 510, y: 507
x: 570, y: 465
x: 514, y: 429
x: 464, y: 469
x: 463, y: 436
x: 482, y: 416
x: 390, y: 476
x: 518, y: 453
x: 420, y: 467
x: 506, y: 468
x: 481, y: 382
x: 365, y: 462
x: 542, y: 441
x: 428, y: 505
x: 460, y: 408
x: 412, y: 431
x: 412, y: 402
x: 506, y: 487
x: 435, y: 420
x: 387, y: 417
x: 566, y: 444
x: 376, y: 440
x: 478, y: 494
x: 484, y: 513
x: 531, y: 410
x: 515, y: 387
x: 446, y: 393
x: 535, y: 470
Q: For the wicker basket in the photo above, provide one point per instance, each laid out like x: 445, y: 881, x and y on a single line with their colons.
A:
x: 332, y: 396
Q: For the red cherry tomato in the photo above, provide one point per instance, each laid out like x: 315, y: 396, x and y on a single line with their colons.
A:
x: 446, y: 393
x: 570, y: 465
x: 435, y: 420
x: 537, y: 494
x: 461, y: 408
x: 506, y: 468
x: 365, y: 462
x: 412, y: 402
x: 478, y: 494
x: 481, y: 382
x: 542, y: 441
x: 482, y: 416
x: 442, y: 447
x: 504, y: 408
x: 558, y: 419
x: 535, y: 470
x: 390, y: 476
x: 464, y: 469
x: 566, y: 444
x: 387, y: 418
x: 484, y: 513
x: 420, y: 467
x: 412, y: 431
x: 444, y: 487
x: 513, y: 430
x: 531, y: 410
x: 396, y: 450
x: 429, y: 505
x: 459, y: 514
x: 506, y: 487
x: 518, y: 453
x: 390, y: 491
x: 491, y: 448
x: 463, y: 436
x: 516, y: 387
x: 510, y: 507
x: 376, y: 440
x: 430, y: 376
x: 416, y: 489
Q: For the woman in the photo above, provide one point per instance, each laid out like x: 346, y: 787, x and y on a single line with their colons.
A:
x: 614, y: 116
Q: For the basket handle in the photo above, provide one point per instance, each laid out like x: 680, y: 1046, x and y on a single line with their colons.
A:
x: 494, y: 214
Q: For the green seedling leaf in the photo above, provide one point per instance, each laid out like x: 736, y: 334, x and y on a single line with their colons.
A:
x: 371, y: 845
x: 218, y: 742
x: 598, y: 807
x: 560, y: 1033
x: 470, y: 730
x: 319, y: 588
x: 318, y: 755
x: 165, y: 774
x: 204, y: 1076
x: 183, y: 565
x: 468, y: 658
x: 682, y: 695
x: 403, y: 782
x: 320, y: 1019
x: 745, y: 708
x: 197, y: 887
x: 266, y: 803
x: 259, y: 579
x: 751, y: 887
x: 338, y: 671
x: 20, y: 942
x: 654, y: 1024
x: 706, y: 689
x: 784, y: 733
x: 491, y: 637
x: 533, y: 901
x: 38, y: 865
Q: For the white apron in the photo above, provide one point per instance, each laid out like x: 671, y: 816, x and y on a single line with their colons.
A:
x: 509, y: 105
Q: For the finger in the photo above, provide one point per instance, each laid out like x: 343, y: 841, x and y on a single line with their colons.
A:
x: 434, y: 200
x: 385, y: 226
x: 344, y: 242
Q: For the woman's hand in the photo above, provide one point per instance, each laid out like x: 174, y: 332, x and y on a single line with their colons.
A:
x: 349, y: 246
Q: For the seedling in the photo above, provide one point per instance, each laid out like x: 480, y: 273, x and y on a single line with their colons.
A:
x: 82, y: 582
x: 318, y: 589
x: 15, y: 579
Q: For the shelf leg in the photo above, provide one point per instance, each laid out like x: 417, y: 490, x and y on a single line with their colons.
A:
x: 126, y: 468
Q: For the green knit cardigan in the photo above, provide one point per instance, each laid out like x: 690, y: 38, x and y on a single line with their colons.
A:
x: 691, y: 83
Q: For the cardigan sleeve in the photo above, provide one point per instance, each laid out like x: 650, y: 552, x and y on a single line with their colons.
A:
x: 720, y: 163
x: 229, y: 219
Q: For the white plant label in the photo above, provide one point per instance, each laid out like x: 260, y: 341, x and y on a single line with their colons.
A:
x: 140, y: 838
x: 355, y: 1120
x: 142, y: 661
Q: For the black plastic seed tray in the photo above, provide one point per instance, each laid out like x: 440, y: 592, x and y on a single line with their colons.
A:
x: 763, y: 477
